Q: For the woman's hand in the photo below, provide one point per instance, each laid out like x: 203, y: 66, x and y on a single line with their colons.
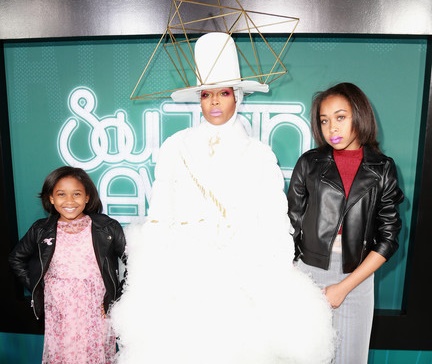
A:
x: 335, y: 294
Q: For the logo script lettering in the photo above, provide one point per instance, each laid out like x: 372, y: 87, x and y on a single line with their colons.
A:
x: 110, y: 144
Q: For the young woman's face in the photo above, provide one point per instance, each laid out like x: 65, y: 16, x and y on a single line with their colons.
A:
x: 218, y: 105
x: 337, y: 124
x: 69, y: 198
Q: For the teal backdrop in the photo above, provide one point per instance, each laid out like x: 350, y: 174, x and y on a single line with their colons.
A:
x: 69, y: 104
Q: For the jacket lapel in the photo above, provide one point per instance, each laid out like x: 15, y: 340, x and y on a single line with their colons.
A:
x: 366, y: 177
x: 48, y: 239
x: 330, y: 173
x: 364, y: 180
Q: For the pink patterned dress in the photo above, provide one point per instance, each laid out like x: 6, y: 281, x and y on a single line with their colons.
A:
x: 76, y: 331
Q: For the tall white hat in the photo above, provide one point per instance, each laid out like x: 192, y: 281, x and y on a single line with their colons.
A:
x: 217, y: 66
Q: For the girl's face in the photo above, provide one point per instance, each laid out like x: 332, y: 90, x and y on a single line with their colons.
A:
x: 69, y: 198
x: 337, y: 124
x: 218, y: 105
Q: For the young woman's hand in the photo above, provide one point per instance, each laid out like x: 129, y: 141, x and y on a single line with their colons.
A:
x: 335, y: 294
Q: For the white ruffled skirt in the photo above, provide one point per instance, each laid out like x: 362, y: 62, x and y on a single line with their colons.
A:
x: 205, y: 294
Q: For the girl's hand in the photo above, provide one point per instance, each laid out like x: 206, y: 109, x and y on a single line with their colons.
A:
x: 335, y: 295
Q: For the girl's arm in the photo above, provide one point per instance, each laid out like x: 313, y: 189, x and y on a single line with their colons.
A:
x: 21, y: 254
x: 336, y: 293
x: 387, y: 219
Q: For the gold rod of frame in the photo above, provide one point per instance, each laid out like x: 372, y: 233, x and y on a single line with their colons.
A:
x: 277, y: 57
x: 180, y: 56
x: 278, y: 60
x: 184, y: 31
x: 147, y: 65
x: 180, y: 70
x: 213, y: 17
x: 236, y: 9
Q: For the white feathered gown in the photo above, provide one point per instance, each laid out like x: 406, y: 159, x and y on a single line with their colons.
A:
x: 210, y: 275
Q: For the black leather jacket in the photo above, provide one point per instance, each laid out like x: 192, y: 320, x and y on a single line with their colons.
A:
x: 317, y: 207
x: 31, y: 257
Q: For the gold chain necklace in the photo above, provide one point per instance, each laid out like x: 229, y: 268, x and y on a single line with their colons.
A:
x: 205, y: 192
x: 213, y: 141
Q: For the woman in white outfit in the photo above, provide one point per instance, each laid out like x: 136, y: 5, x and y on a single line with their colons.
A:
x: 210, y: 273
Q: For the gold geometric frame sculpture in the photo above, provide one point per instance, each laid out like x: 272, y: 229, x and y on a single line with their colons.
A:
x: 184, y: 29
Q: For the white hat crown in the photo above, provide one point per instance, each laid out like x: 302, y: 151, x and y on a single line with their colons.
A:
x: 217, y: 65
x: 216, y: 59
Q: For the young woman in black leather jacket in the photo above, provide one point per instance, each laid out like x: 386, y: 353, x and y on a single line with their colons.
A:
x: 343, y: 204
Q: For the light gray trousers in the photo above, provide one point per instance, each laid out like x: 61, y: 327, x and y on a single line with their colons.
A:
x: 353, y: 319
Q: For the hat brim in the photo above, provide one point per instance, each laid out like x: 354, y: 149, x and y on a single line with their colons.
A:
x: 192, y: 94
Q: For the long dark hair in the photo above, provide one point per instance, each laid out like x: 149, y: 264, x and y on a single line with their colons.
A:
x: 94, y: 204
x: 363, y: 117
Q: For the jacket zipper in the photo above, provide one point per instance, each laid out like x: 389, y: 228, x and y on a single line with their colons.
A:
x: 343, y: 212
x: 112, y: 280
x: 37, y: 283
x: 362, y: 256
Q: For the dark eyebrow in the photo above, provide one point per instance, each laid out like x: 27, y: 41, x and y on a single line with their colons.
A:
x: 336, y: 112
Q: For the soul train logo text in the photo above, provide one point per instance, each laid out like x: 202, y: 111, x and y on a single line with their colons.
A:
x: 123, y: 154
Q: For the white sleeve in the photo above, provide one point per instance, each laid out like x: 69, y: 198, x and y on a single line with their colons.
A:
x: 273, y: 214
x: 163, y: 193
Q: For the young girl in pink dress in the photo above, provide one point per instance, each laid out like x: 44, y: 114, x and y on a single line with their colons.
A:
x: 69, y: 262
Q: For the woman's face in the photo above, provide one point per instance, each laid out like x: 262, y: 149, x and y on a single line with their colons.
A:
x: 218, y: 105
x: 337, y: 124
